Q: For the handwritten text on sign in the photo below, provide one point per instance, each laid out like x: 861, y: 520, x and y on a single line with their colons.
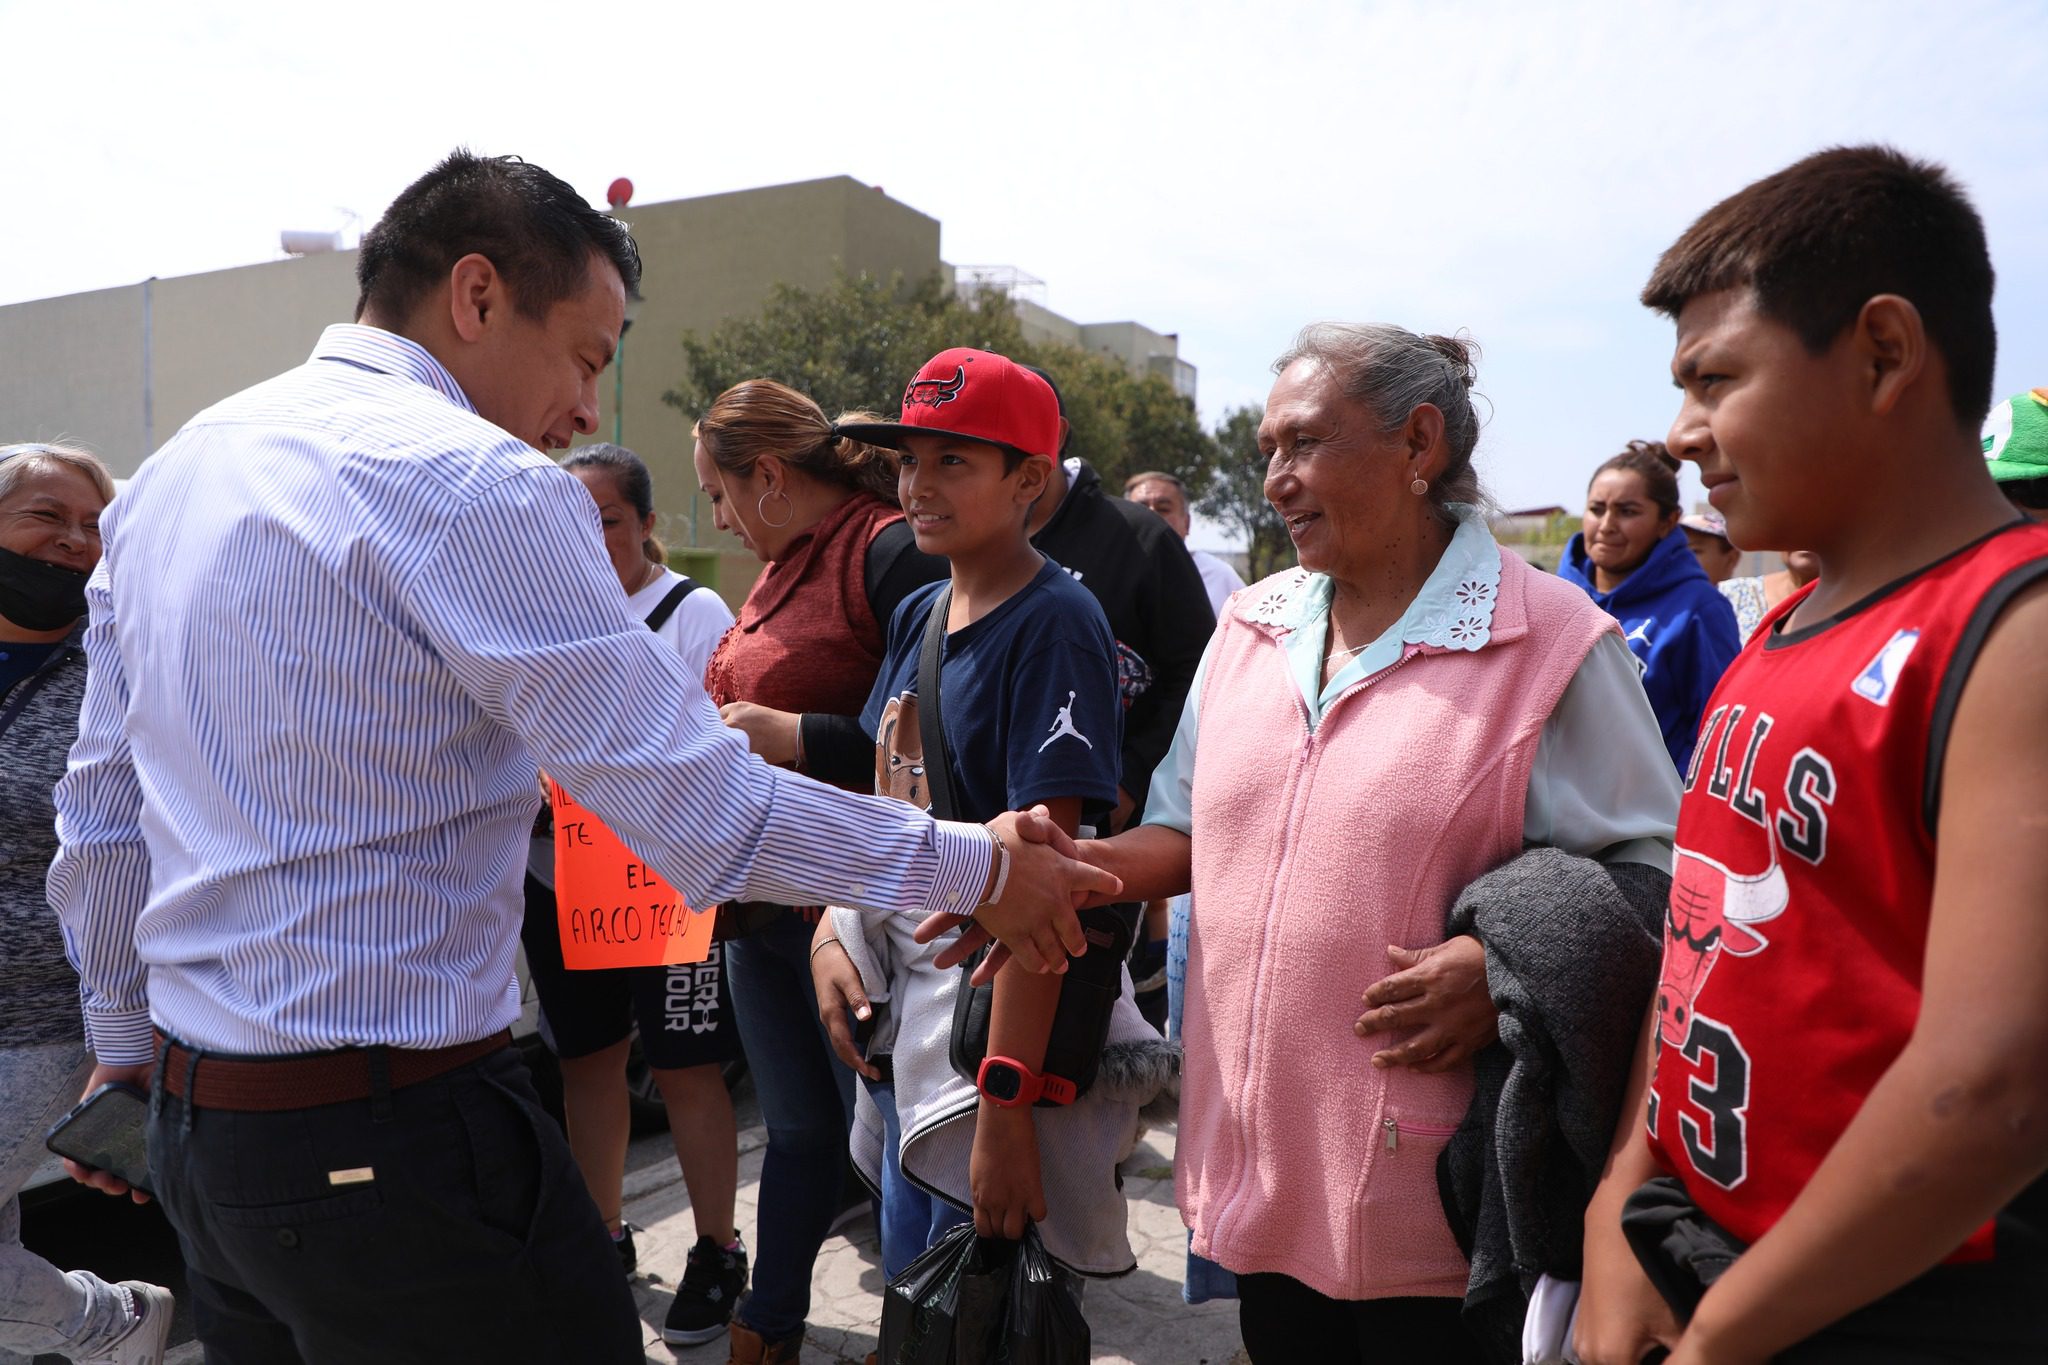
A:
x: 615, y: 911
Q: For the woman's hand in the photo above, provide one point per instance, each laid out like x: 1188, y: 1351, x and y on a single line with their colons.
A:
x: 839, y: 990
x: 1003, y: 1172
x: 1439, y: 993
x: 770, y: 733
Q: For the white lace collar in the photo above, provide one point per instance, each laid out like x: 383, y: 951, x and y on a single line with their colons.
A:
x: 1453, y: 610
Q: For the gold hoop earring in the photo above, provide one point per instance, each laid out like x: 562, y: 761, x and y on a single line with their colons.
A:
x: 761, y: 509
x: 1420, y: 487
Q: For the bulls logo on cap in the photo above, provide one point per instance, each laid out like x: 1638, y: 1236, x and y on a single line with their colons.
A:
x: 932, y: 393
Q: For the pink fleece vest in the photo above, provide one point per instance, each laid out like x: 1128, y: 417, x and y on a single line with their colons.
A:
x: 1313, y: 853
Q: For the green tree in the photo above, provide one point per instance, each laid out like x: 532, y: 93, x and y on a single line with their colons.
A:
x: 1236, y: 494
x: 854, y: 344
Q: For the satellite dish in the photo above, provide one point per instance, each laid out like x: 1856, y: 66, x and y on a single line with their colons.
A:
x: 298, y: 242
x: 620, y: 194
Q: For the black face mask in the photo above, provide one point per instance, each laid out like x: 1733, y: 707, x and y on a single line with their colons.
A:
x: 39, y: 596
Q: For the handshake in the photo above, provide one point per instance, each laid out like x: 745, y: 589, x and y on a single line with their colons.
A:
x: 1030, y: 915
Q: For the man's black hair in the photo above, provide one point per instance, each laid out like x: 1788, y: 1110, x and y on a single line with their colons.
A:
x: 1820, y: 238
x: 535, y: 230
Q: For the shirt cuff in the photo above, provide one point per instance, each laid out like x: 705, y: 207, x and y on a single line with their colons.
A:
x: 965, y: 854
x: 120, y: 1037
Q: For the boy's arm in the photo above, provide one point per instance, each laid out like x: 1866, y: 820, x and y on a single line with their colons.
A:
x: 1958, y: 1125
x: 1003, y: 1171
x: 1621, y: 1314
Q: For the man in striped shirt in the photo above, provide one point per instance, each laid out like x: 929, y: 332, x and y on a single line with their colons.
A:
x: 341, y: 618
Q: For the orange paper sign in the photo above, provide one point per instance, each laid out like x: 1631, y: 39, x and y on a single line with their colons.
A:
x: 615, y: 910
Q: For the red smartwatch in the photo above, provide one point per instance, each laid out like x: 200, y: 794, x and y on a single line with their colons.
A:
x: 1009, y: 1084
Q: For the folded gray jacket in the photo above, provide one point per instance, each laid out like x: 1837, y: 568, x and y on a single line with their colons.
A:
x: 1572, y: 951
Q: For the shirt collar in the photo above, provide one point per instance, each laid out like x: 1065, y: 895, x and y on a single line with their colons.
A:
x: 1453, y: 609
x: 373, y: 348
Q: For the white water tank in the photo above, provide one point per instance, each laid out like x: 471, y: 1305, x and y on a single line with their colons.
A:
x: 297, y: 242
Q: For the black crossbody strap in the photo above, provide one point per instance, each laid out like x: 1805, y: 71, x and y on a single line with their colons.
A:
x: 666, y: 607
x: 938, y: 759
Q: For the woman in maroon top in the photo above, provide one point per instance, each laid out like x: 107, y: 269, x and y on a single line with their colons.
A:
x: 820, y: 511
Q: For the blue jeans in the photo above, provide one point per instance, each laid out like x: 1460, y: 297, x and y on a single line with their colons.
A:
x: 911, y: 1218
x: 807, y: 1103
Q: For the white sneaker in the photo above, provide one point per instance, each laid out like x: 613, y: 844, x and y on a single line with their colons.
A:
x: 148, y: 1330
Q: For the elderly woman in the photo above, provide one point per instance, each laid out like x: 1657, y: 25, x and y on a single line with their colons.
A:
x: 51, y: 498
x: 1369, y: 734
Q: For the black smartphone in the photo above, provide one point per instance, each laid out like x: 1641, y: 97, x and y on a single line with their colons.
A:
x: 107, y: 1131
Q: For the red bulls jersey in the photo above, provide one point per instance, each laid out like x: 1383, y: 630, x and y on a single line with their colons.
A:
x: 1804, y: 876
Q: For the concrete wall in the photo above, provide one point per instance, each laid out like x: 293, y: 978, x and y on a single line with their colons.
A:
x: 75, y: 367
x: 1041, y: 326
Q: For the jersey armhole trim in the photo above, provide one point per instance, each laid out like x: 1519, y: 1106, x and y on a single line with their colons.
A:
x: 1988, y: 610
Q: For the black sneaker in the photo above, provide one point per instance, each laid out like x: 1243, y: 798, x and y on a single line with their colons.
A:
x: 712, y: 1283
x: 629, y: 1257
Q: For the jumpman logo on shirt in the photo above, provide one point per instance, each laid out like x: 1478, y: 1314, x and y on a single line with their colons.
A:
x: 1063, y: 725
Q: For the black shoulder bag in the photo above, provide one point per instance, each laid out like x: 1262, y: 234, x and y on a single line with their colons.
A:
x: 1089, y: 990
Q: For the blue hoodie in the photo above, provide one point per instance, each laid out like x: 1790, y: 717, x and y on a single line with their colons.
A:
x: 1680, y: 628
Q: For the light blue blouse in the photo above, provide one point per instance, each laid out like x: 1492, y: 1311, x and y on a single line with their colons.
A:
x: 1602, y: 785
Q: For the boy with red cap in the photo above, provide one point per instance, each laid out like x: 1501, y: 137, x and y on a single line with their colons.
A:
x: 1030, y: 715
x: 1848, y: 1116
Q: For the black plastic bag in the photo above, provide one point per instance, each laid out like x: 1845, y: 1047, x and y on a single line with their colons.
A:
x: 971, y: 1300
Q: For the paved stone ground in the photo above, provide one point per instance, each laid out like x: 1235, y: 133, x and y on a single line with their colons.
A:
x: 1136, y: 1320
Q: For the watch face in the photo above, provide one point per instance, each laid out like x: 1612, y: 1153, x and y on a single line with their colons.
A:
x: 1002, y: 1082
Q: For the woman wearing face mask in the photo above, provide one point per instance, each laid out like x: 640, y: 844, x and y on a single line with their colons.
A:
x: 1637, y: 564
x: 819, y: 509
x: 51, y: 498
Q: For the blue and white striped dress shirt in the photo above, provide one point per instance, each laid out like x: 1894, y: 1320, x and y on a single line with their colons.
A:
x: 339, y: 621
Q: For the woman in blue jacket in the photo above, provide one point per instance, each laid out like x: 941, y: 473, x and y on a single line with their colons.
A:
x: 1633, y: 558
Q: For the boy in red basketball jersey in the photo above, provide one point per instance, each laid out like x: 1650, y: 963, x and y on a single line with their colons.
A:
x: 1848, y: 1116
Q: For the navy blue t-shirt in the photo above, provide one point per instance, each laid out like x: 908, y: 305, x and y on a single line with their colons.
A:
x: 1030, y: 696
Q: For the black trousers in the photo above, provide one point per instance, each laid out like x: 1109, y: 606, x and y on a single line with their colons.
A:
x: 441, y: 1222
x: 1283, y: 1320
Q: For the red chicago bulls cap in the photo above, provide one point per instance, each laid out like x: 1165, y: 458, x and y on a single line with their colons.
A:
x: 975, y: 395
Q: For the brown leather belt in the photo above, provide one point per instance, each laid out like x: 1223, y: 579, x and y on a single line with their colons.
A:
x: 269, y: 1084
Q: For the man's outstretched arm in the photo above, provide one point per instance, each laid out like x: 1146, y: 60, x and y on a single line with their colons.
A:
x: 546, y: 647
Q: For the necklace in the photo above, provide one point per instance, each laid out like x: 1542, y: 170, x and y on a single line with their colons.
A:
x: 653, y: 572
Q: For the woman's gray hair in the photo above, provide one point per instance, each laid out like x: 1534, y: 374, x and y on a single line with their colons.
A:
x: 1393, y: 371
x: 17, y: 462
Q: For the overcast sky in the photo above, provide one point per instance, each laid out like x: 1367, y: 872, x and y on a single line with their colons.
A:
x: 1227, y: 172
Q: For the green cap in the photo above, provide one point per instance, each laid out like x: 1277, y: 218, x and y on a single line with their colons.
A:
x: 2016, y: 438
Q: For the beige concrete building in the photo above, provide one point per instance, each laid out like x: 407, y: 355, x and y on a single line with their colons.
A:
x: 120, y: 370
